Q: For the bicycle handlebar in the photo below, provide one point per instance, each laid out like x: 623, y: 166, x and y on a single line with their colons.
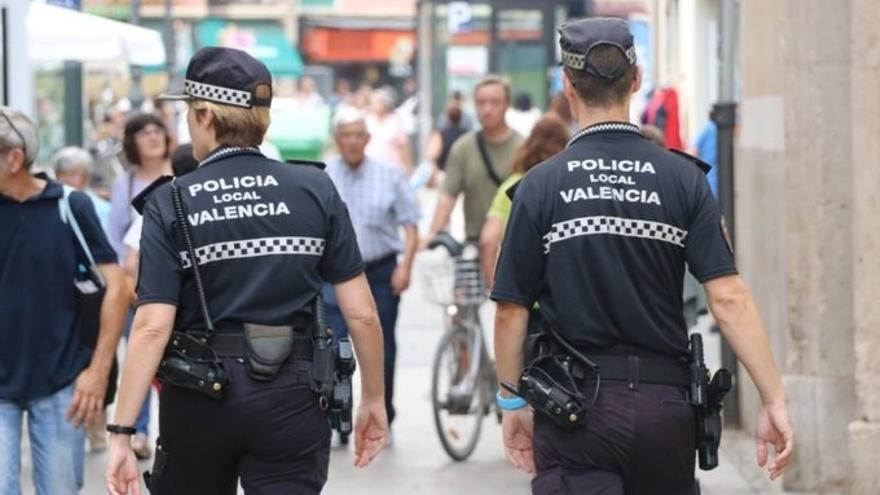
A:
x: 444, y: 239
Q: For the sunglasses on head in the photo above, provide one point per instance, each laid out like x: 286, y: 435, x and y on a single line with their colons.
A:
x: 17, y: 133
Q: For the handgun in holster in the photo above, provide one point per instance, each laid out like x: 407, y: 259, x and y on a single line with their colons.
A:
x: 706, y: 395
x: 342, y: 403
x: 333, y: 365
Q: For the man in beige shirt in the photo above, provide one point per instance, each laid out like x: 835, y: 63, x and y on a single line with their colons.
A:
x: 466, y: 171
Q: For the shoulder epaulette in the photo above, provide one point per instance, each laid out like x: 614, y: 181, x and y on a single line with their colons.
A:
x: 705, y: 167
x: 140, y: 200
x: 512, y: 189
x: 312, y: 163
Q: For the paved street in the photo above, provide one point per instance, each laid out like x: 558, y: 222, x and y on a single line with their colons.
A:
x: 416, y: 463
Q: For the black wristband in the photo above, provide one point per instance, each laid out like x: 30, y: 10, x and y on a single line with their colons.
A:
x: 122, y: 430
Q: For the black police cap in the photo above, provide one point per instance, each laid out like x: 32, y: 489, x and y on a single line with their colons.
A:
x: 226, y: 76
x: 578, y: 38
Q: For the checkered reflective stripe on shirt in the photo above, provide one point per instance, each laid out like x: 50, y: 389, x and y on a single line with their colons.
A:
x: 253, y: 248
x: 628, y: 227
x: 217, y: 94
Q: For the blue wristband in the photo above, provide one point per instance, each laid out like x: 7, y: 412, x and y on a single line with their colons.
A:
x: 510, y: 403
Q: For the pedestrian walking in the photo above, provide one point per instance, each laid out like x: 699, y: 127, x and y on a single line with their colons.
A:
x: 233, y: 256
x: 548, y: 137
x: 74, y: 167
x: 55, y: 365
x: 479, y: 161
x: 600, y: 235
x: 381, y: 202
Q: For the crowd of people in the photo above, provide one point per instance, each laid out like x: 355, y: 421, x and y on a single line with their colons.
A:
x: 61, y: 381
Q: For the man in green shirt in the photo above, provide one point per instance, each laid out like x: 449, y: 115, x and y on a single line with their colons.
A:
x: 467, y: 172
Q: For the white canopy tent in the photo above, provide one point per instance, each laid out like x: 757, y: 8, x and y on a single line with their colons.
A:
x: 56, y: 34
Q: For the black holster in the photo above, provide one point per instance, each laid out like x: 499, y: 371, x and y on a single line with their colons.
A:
x: 706, y: 396
x: 342, y: 402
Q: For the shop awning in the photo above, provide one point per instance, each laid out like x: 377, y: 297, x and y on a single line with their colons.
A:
x: 265, y: 40
x: 336, y: 45
x: 56, y: 34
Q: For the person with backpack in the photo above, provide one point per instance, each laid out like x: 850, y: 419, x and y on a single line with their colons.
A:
x: 59, y: 335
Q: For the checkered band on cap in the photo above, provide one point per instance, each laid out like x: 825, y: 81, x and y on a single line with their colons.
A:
x: 218, y: 94
x: 253, y: 248
x: 627, y: 227
x: 573, y: 60
x: 631, y: 55
x: 579, y: 62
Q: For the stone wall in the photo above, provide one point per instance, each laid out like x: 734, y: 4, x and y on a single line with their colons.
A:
x: 806, y: 175
x: 864, y: 431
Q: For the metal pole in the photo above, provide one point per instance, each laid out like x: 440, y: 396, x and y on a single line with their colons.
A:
x: 136, y: 94
x: 73, y: 97
x: 171, y: 60
x: 724, y: 116
x: 424, y: 74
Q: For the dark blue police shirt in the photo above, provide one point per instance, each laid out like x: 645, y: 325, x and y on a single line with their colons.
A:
x: 267, y: 235
x: 40, y: 351
x: 600, y: 234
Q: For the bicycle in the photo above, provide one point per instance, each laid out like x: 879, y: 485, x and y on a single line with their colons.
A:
x: 463, y: 380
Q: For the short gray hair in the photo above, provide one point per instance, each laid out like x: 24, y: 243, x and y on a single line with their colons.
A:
x: 71, y: 158
x: 18, y: 131
x: 348, y: 115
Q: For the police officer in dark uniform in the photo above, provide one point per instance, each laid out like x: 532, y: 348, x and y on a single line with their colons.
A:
x: 600, y: 236
x: 264, y: 236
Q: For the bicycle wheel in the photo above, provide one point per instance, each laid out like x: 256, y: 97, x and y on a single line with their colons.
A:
x: 457, y: 394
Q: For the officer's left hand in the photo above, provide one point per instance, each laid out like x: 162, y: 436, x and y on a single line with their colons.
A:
x: 517, y: 427
x: 88, y: 396
x: 122, y: 467
x: 370, y: 431
x: 399, y: 280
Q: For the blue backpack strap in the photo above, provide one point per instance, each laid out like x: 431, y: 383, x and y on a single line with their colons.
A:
x: 69, y: 218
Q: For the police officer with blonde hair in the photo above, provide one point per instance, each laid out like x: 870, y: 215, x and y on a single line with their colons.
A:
x: 233, y: 256
x: 600, y: 235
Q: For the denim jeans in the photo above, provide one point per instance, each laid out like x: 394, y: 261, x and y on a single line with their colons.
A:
x: 379, y: 278
x: 53, y: 443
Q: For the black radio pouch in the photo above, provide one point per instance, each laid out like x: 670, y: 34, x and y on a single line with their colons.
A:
x: 268, y: 348
x: 547, y: 385
x: 189, y: 362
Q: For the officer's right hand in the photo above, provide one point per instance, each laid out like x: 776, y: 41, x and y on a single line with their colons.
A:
x: 774, y: 428
x: 517, y: 427
x: 370, y: 431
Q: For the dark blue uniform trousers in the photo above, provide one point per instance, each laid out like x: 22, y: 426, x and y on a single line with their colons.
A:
x: 272, y: 435
x: 637, y: 442
x: 379, y: 277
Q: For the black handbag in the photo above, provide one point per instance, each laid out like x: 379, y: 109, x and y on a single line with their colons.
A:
x: 89, y: 290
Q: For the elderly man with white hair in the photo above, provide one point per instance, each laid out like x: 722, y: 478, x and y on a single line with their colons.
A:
x: 380, y: 202
x: 46, y: 233
x: 74, y: 166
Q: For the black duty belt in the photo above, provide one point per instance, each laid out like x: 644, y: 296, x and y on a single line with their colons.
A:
x: 636, y: 369
x: 228, y: 343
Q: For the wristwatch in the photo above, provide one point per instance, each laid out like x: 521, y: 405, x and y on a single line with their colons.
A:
x: 121, y: 430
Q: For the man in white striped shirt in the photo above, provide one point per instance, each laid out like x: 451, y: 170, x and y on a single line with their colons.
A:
x: 380, y: 202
